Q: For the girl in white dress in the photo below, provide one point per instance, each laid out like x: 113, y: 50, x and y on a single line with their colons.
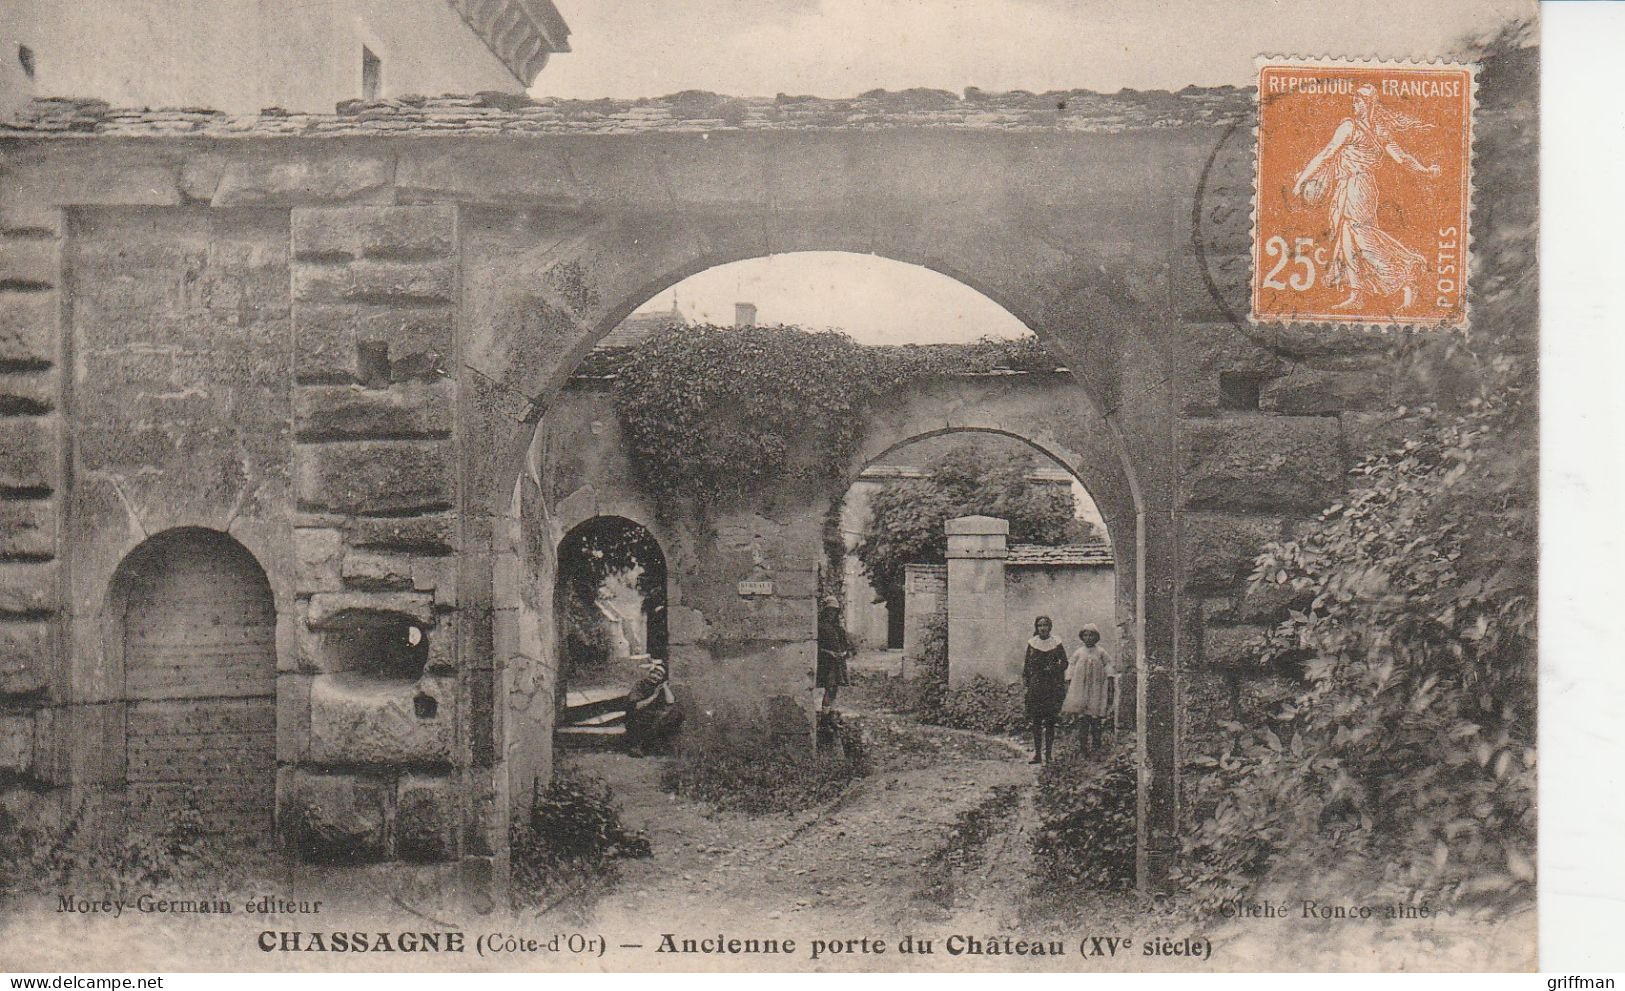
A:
x: 1090, y: 679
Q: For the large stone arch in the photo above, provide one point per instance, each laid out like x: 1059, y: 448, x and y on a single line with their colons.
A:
x: 538, y: 300
x: 1093, y: 465
x: 541, y: 288
x: 1047, y: 411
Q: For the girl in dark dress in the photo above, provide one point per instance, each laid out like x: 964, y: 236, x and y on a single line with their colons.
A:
x: 1044, y: 674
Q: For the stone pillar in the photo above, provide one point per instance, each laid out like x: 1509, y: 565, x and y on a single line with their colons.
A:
x: 1156, y: 702
x: 977, y: 547
x: 32, y: 356
x: 376, y: 687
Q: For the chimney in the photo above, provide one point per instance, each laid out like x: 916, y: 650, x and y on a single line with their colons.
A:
x: 744, y: 314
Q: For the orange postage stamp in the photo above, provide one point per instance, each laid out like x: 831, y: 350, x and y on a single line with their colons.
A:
x: 1363, y: 188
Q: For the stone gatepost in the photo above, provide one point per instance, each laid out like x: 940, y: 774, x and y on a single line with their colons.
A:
x: 977, y: 547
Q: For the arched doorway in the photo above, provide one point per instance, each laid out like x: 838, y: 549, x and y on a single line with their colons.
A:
x: 1091, y: 322
x: 891, y: 550
x: 610, y: 616
x: 195, y: 638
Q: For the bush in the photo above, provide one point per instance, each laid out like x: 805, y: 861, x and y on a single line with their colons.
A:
x: 983, y: 705
x: 130, y: 862
x: 564, y: 853
x: 1408, y: 757
x: 885, y: 691
x: 737, y: 765
x: 932, y: 681
x: 1087, y: 835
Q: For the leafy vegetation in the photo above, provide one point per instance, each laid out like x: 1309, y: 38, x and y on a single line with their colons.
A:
x: 716, y: 413
x: 906, y: 517
x: 1407, y: 759
x: 566, y: 853
x: 83, y: 856
x: 1411, y: 748
x: 981, y: 704
x: 734, y: 762
x: 1087, y: 807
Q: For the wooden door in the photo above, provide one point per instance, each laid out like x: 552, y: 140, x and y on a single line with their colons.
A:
x: 200, y: 678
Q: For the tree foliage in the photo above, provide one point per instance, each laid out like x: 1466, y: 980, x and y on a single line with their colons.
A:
x: 906, y: 517
x: 714, y: 414
x: 1410, y: 749
x: 589, y: 556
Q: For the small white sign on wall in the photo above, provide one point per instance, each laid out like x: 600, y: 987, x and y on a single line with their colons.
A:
x: 756, y: 588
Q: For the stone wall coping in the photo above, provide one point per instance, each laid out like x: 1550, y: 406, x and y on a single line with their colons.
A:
x: 977, y: 526
x: 692, y: 111
x: 1095, y: 555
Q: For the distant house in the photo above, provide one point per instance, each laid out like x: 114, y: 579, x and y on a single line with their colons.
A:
x: 636, y: 328
x: 242, y: 56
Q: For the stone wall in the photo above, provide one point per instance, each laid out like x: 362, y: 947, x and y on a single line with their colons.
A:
x: 1070, y: 594
x: 925, y: 593
x: 333, y: 339
x: 738, y: 649
x: 32, y: 486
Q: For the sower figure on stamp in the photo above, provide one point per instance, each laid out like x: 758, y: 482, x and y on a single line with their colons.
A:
x: 1365, y: 258
x: 1090, y: 683
x: 1044, y: 674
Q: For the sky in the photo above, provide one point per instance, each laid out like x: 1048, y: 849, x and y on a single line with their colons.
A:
x: 837, y: 48
x: 873, y: 299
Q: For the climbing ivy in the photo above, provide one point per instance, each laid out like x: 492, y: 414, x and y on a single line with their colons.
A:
x: 713, y: 414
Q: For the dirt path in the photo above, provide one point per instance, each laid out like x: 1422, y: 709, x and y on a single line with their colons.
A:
x: 942, y: 823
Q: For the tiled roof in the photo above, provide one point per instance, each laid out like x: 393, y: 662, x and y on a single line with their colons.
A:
x: 509, y: 113
x: 636, y: 328
x: 1039, y: 555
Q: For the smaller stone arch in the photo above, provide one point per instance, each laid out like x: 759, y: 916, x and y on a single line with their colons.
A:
x: 1048, y: 413
x: 192, y: 642
x: 610, y: 598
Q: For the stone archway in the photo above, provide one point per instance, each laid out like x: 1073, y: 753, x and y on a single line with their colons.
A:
x: 605, y: 564
x: 539, y: 296
x: 193, y: 637
x: 1092, y: 466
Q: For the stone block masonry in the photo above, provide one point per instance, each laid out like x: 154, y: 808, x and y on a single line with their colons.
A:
x: 329, y: 338
x: 31, y: 486
x: 374, y: 411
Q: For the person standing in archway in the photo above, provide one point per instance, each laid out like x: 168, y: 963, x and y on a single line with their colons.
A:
x: 1089, y: 688
x: 834, y: 648
x: 1044, y: 674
